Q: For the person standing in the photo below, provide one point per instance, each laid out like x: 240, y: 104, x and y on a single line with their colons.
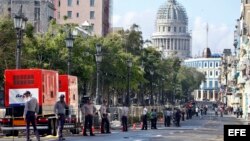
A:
x: 178, y: 117
x: 144, y: 119
x: 60, y: 110
x: 88, y: 110
x: 105, y: 120
x: 31, y: 108
x: 124, y: 114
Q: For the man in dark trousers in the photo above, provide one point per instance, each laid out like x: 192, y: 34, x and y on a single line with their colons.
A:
x: 144, y: 118
x: 88, y: 110
x: 60, y: 110
x: 124, y: 114
x: 30, y: 110
x: 105, y: 120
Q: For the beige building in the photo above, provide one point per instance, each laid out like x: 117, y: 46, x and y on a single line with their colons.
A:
x: 96, y: 12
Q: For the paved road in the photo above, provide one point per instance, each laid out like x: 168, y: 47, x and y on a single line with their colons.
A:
x: 207, y: 128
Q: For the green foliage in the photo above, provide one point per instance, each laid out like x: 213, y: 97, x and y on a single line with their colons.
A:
x: 48, y: 51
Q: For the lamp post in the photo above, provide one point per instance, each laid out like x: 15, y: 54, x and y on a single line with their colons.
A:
x: 98, y: 58
x: 129, y: 65
x: 151, y: 87
x: 20, y: 24
x: 69, y: 44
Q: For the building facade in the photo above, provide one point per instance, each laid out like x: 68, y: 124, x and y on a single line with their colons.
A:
x: 38, y: 12
x: 209, y: 65
x: 96, y: 12
x: 171, y: 34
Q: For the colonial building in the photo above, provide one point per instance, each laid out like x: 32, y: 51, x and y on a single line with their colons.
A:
x: 171, y: 30
x: 38, y: 12
x: 96, y: 12
x: 209, y: 64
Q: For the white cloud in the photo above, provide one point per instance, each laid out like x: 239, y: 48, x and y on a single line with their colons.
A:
x: 145, y: 19
x: 219, y: 37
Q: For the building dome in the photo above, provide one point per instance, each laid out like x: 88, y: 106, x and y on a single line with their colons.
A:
x: 206, y: 53
x: 171, y: 34
x: 172, y: 10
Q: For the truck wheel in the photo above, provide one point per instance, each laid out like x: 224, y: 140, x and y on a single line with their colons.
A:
x: 52, y: 127
x: 12, y: 133
x: 75, y: 131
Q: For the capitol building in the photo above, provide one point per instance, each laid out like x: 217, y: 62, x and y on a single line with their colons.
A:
x: 171, y: 35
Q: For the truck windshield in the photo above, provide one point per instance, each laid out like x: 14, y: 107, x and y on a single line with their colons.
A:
x: 15, y: 111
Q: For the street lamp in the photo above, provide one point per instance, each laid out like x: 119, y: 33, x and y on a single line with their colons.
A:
x: 69, y: 44
x: 151, y: 87
x: 129, y: 65
x: 20, y: 24
x: 98, y: 58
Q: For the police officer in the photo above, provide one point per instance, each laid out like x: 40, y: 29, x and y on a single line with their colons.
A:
x: 30, y: 110
x: 60, y: 110
x: 144, y: 118
x: 124, y: 114
x: 88, y: 110
x: 105, y: 120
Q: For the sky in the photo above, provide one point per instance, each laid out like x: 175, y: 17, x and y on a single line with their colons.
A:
x: 220, y: 15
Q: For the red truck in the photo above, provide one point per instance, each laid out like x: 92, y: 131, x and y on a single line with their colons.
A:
x: 43, y: 85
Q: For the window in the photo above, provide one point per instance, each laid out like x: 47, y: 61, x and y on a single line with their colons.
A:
x: 179, y: 29
x: 211, y: 65
x: 58, y: 15
x: 216, y: 84
x: 69, y: 2
x: 37, y: 3
x: 92, y: 14
x: 210, y: 84
x: 92, y: 3
x: 59, y: 3
x: 205, y: 64
x: 205, y: 84
x: 174, y: 29
x: 184, y: 29
x: 211, y: 73
x: 69, y: 14
x: 163, y: 29
x: 216, y: 64
x: 169, y: 29
x: 168, y: 43
x: 77, y: 14
x: 37, y: 13
x: 77, y: 2
x: 205, y: 73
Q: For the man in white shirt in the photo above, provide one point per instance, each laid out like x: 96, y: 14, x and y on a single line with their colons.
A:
x: 144, y: 118
x: 104, y: 114
x: 124, y: 115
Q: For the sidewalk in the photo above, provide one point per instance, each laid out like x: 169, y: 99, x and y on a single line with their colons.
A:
x: 241, y: 120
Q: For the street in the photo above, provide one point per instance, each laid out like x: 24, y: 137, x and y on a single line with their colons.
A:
x: 206, y: 128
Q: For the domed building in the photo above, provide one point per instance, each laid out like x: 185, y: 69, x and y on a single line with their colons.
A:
x: 171, y: 30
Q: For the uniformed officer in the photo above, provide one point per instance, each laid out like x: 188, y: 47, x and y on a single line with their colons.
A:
x: 60, y: 110
x: 30, y: 110
x: 88, y: 110
x: 105, y: 120
x: 124, y: 114
x: 144, y: 118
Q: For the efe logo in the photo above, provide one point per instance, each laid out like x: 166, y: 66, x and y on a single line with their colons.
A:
x: 237, y: 132
x: 234, y: 132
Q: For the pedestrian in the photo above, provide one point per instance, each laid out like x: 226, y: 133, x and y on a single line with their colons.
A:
x: 183, y: 113
x: 60, y: 111
x: 178, y: 117
x: 105, y: 120
x: 124, y: 114
x: 88, y: 110
x: 155, y: 119
x: 31, y: 108
x: 144, y: 119
x: 152, y: 116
